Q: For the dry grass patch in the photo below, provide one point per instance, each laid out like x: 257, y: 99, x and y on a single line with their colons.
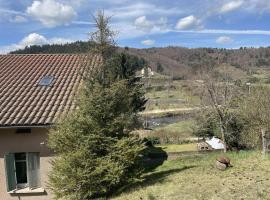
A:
x: 179, y: 147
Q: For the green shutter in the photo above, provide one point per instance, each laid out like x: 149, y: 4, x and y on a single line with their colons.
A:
x: 33, y: 170
x: 10, y: 172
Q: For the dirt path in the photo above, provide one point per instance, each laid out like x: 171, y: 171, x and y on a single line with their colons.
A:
x: 172, y: 110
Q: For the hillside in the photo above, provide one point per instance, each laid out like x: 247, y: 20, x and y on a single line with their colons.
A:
x: 178, y: 62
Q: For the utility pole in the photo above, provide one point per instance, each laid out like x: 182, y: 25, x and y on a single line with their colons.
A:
x: 249, y: 88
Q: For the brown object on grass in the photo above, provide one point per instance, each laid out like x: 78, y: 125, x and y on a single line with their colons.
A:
x: 223, y: 163
x: 220, y: 166
x: 225, y: 160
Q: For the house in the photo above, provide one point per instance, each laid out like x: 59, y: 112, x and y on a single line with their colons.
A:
x: 146, y: 73
x: 34, y: 91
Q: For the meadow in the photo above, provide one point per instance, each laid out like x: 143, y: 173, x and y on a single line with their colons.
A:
x: 196, y: 178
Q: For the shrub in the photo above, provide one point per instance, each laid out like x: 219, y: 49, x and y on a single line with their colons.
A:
x: 253, y: 80
x: 209, y: 126
x: 152, y: 140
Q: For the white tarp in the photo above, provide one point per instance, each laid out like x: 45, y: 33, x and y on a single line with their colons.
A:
x: 215, y: 143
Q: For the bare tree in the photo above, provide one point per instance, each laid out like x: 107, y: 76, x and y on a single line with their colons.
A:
x: 256, y: 110
x: 103, y: 41
x: 218, y: 96
x: 103, y: 37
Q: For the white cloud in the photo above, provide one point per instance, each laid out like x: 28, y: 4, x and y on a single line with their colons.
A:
x: 224, y: 40
x: 222, y: 31
x: 57, y: 40
x: 9, y: 11
x: 143, y: 23
x: 51, y: 13
x: 148, y: 42
x: 189, y: 22
x: 135, y: 10
x: 162, y: 23
x: 9, y: 15
x: 231, y: 6
x: 127, y: 30
x: 258, y: 6
x: 18, y: 19
x: 33, y: 39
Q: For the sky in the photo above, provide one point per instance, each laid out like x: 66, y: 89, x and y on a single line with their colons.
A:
x: 139, y: 24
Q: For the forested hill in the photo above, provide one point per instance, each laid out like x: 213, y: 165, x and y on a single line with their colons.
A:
x: 177, y: 61
x: 76, y: 47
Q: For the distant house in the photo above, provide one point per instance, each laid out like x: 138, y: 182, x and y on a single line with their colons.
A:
x: 147, y: 72
x: 34, y: 91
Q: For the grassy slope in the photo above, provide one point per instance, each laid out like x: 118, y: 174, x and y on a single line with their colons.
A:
x: 183, y: 128
x: 196, y: 178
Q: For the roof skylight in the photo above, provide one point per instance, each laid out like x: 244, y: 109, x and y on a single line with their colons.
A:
x: 46, y: 81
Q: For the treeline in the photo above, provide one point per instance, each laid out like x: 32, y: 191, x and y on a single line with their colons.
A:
x: 184, y: 61
x: 76, y: 47
x: 174, y: 61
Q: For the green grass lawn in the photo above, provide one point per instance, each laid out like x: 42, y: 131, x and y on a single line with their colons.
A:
x: 196, y: 177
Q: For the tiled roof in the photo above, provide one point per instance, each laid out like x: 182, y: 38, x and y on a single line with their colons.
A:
x: 23, y: 102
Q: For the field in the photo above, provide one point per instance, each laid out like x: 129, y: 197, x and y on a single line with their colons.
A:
x: 177, y: 95
x: 182, y: 128
x: 196, y: 177
x: 179, y: 148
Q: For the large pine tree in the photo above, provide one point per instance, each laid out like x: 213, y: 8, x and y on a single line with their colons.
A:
x: 96, y: 154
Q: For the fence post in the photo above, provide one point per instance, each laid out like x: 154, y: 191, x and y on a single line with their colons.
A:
x: 263, y: 142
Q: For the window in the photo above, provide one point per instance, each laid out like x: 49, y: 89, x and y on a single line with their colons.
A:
x: 46, y: 81
x: 22, y: 171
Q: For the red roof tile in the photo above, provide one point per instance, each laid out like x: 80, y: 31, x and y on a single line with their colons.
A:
x: 23, y: 102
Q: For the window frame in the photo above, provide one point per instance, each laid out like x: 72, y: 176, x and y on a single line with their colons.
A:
x: 33, y: 184
x: 46, y: 81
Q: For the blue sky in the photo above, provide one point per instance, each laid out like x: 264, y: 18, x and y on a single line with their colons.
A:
x: 141, y: 24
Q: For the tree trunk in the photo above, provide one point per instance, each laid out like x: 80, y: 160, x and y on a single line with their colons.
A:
x: 223, y: 136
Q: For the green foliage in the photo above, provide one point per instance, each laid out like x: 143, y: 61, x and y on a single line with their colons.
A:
x: 235, y: 130
x: 238, y: 83
x: 209, y: 126
x: 76, y: 47
x: 160, y: 68
x: 253, y: 80
x: 176, y: 78
x: 152, y: 140
x: 96, y: 152
x: 262, y: 62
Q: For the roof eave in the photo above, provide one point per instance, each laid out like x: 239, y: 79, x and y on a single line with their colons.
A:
x: 27, y: 126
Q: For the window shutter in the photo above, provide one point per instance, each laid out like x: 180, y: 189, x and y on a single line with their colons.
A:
x: 33, y: 170
x: 10, y: 172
